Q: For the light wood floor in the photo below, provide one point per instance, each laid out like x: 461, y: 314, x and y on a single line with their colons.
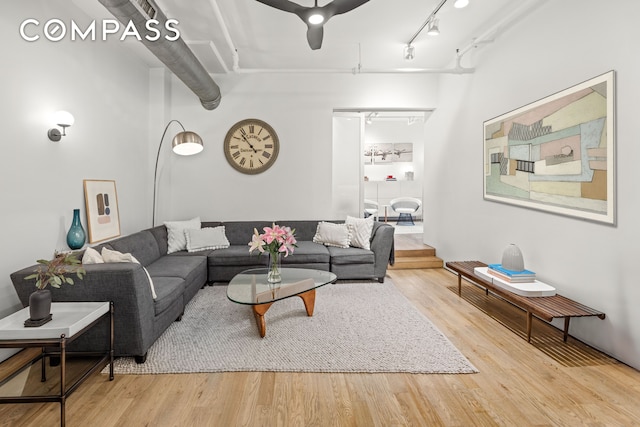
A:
x: 545, y: 383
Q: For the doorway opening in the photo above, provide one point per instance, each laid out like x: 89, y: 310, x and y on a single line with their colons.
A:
x: 379, y: 158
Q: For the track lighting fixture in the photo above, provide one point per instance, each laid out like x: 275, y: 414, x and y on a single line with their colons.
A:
x: 433, y: 30
x: 409, y: 52
x: 431, y: 23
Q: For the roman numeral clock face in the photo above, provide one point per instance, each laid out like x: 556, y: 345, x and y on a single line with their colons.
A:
x: 251, y: 146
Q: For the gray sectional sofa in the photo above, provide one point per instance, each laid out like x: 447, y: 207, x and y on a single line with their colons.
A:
x: 140, y: 319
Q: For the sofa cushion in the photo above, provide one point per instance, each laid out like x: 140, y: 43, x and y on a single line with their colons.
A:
x: 351, y: 256
x: 206, y: 238
x: 361, y: 231
x: 161, y: 236
x: 168, y: 290
x: 177, y: 266
x: 236, y: 255
x: 210, y: 224
x: 304, y: 230
x: 109, y: 255
x: 91, y: 256
x: 142, y: 245
x: 330, y: 234
x: 240, y: 232
x: 176, y: 239
x: 308, y: 252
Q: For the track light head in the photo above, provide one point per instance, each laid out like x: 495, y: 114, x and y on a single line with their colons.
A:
x: 409, y: 52
x: 433, y: 29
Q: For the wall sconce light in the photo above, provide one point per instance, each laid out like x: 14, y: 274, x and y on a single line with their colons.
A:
x: 409, y: 52
x: 64, y: 119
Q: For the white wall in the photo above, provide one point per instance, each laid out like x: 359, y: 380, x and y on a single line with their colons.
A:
x: 346, y: 164
x: 300, y: 108
x: 106, y: 89
x: 555, y: 47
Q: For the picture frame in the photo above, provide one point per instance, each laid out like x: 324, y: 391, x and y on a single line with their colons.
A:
x: 385, y: 153
x: 101, y: 203
x: 403, y: 152
x: 556, y: 154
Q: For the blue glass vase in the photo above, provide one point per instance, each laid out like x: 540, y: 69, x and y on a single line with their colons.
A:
x: 76, y: 235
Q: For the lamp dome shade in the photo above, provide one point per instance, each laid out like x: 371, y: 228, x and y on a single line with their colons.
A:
x: 63, y: 118
x: 187, y: 143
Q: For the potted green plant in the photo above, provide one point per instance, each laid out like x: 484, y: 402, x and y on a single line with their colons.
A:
x: 53, y: 273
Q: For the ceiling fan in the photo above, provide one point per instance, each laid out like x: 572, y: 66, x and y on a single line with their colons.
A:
x: 315, y: 17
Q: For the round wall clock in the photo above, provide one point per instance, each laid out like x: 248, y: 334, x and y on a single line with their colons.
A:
x: 251, y: 146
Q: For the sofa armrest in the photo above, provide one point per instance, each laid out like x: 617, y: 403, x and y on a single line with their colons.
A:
x: 125, y: 284
x: 382, y: 247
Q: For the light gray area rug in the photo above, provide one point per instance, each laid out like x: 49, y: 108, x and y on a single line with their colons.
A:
x: 356, y: 327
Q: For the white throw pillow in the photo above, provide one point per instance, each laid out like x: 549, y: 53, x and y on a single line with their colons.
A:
x: 109, y: 255
x: 114, y: 256
x: 206, y: 238
x: 330, y: 234
x: 361, y: 229
x: 91, y: 256
x: 176, y: 240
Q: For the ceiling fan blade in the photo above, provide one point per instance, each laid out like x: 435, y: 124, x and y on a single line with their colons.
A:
x: 314, y: 36
x: 286, y: 5
x: 341, y: 6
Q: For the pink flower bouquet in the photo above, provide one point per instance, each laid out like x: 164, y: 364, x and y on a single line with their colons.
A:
x: 276, y: 241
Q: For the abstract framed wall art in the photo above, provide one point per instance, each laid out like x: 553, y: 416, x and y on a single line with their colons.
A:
x: 556, y: 154
x: 101, y: 202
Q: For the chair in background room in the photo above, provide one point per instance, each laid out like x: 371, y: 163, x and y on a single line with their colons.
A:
x: 405, y: 206
x: 370, y: 208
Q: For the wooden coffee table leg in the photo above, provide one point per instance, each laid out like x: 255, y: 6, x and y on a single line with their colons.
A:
x: 258, y: 313
x: 309, y: 299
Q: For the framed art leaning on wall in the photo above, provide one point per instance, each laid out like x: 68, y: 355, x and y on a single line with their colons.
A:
x: 556, y: 154
x: 101, y: 201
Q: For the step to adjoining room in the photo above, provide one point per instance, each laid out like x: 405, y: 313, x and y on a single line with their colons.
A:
x: 411, y: 252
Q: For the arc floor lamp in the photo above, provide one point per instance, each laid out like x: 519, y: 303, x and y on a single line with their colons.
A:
x: 185, y: 143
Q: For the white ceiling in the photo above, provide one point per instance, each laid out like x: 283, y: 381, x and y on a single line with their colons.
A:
x: 370, y: 37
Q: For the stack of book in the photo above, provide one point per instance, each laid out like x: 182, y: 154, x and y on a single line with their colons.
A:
x: 511, y: 276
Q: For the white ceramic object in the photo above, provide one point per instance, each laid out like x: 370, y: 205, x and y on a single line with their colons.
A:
x: 512, y: 258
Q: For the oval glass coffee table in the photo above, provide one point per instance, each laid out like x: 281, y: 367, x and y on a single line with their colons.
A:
x: 250, y: 287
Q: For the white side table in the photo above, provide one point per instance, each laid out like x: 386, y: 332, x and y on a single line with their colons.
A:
x: 70, y: 320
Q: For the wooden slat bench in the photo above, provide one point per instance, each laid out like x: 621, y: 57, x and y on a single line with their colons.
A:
x: 545, y: 308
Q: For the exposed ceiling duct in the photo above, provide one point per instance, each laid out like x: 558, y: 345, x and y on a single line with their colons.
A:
x: 175, y: 54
